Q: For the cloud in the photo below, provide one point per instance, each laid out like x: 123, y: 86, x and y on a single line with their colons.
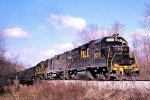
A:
x: 64, y: 47
x: 48, y: 53
x: 29, y: 50
x: 57, y: 49
x: 26, y: 56
x: 146, y: 18
x: 16, y: 32
x: 20, y: 52
x: 8, y: 54
x: 32, y: 56
x: 11, y: 53
x: 60, y: 22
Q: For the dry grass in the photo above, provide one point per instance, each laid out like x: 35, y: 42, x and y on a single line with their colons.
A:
x: 70, y: 91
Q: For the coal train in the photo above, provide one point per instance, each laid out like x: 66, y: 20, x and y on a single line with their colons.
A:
x: 107, y: 58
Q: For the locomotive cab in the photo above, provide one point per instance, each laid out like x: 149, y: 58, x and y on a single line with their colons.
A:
x: 118, y: 57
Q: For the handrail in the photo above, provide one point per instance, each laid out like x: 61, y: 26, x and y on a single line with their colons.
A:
x: 136, y: 60
x: 108, y: 55
x: 113, y: 58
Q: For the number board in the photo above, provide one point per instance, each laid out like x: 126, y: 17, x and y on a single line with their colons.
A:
x: 112, y: 40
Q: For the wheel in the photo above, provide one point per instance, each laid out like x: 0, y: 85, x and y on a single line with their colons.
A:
x: 107, y: 76
x: 74, y: 76
x: 100, y: 77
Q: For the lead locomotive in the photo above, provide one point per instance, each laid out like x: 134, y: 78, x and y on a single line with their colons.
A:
x: 107, y: 58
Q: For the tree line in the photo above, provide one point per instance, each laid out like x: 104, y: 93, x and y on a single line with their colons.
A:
x: 8, y: 67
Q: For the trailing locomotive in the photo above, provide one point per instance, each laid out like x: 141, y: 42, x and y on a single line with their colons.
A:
x: 107, y: 58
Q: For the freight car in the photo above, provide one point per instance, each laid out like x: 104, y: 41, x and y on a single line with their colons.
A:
x: 37, y: 72
x: 107, y: 58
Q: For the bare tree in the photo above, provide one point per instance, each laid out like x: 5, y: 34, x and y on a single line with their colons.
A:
x: 144, y: 46
x: 93, y: 32
x: 110, y: 32
x: 146, y: 25
x: 2, y: 45
x: 90, y: 32
x: 146, y: 17
x: 7, y: 67
x: 146, y: 49
x: 136, y: 42
x: 2, y: 52
x: 117, y: 28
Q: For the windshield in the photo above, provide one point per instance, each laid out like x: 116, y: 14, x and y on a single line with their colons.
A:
x: 121, y: 55
x: 120, y: 49
x: 121, y: 59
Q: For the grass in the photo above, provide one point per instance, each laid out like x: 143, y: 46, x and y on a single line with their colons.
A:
x: 69, y: 91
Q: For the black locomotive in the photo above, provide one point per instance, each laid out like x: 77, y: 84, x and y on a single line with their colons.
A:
x: 107, y: 58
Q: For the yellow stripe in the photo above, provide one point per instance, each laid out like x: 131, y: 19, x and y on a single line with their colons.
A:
x: 122, y: 71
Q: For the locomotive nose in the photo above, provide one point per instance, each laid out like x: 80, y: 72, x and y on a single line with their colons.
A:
x: 126, y: 69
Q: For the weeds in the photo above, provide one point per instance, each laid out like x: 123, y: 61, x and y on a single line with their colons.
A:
x: 69, y: 91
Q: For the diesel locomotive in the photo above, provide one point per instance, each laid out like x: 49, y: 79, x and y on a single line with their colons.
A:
x: 108, y: 58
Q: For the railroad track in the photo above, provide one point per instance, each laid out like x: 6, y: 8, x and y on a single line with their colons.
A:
x: 123, y: 85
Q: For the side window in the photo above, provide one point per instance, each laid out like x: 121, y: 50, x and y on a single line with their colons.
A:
x: 96, y: 47
x: 103, y: 44
x: 97, y: 55
x: 102, y: 53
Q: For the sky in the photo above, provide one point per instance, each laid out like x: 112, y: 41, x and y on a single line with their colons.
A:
x: 37, y: 30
